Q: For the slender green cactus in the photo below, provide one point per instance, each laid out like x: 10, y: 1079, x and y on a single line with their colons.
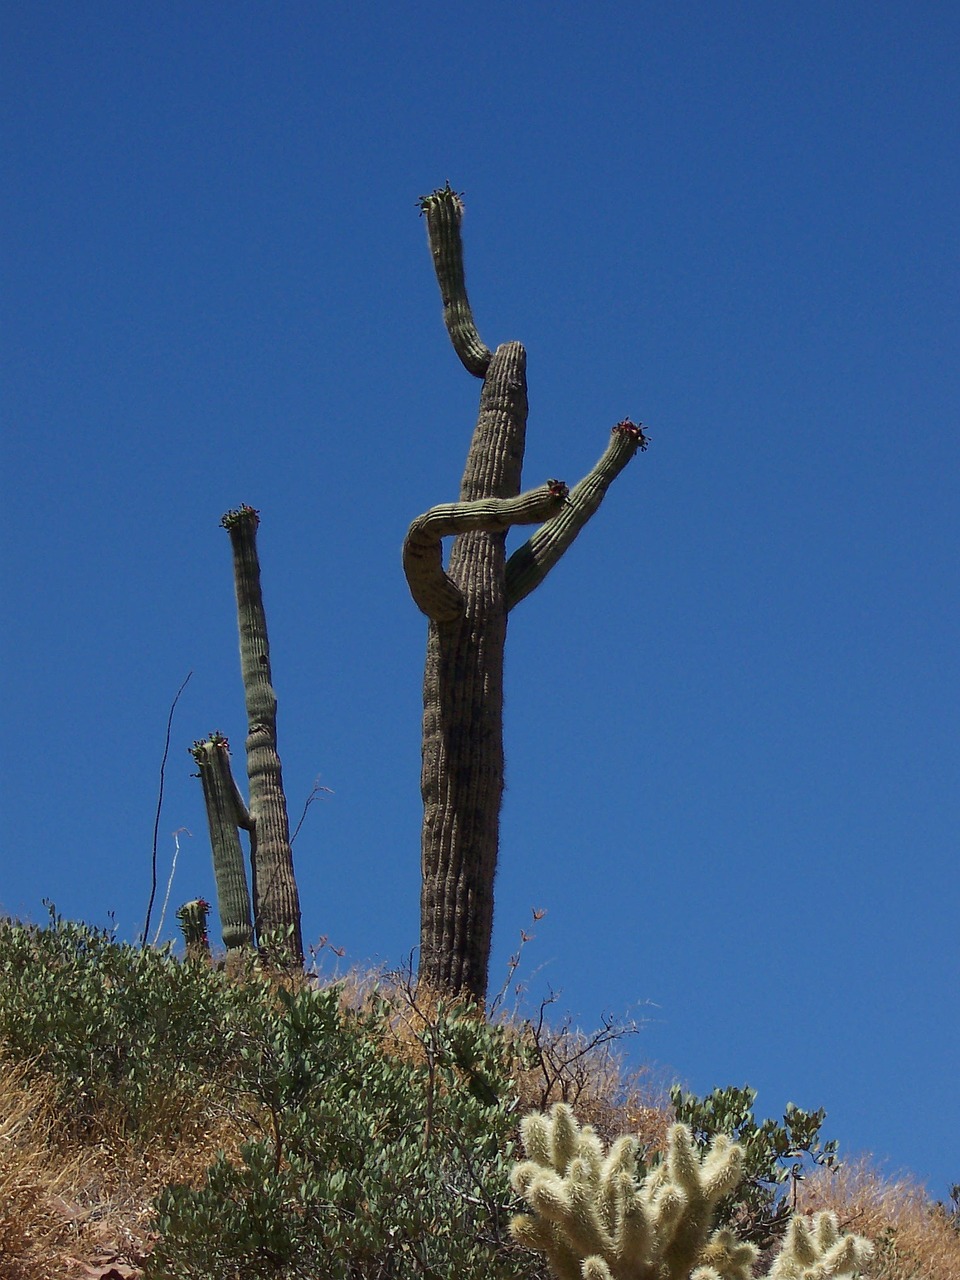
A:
x: 595, y: 1220
x: 226, y: 815
x: 462, y: 772
x: 276, y: 903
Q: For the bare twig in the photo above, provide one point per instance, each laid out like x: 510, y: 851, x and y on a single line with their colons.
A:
x: 314, y: 795
x: 173, y: 868
x: 514, y: 962
x: 156, y: 823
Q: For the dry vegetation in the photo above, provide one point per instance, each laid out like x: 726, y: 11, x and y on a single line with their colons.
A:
x: 72, y: 1207
x: 75, y: 1207
x: 915, y: 1239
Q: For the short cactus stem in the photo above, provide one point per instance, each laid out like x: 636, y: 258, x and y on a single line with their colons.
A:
x: 192, y: 917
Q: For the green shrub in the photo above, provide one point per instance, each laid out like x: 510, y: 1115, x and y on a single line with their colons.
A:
x: 124, y: 1031
x: 772, y: 1154
x: 379, y: 1157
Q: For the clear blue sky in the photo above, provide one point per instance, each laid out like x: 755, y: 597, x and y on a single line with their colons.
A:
x: 732, y: 710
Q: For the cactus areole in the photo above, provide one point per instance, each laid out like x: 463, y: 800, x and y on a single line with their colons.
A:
x: 467, y: 606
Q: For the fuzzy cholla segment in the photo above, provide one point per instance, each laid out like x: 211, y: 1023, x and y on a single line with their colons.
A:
x: 594, y: 1220
x: 816, y: 1249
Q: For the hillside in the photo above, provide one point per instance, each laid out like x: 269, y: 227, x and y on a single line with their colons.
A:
x: 163, y: 1118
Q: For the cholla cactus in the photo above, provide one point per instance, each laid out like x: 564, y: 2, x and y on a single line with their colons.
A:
x: 594, y: 1220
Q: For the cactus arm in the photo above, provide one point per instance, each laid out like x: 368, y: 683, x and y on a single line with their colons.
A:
x: 530, y: 563
x: 225, y: 813
x: 276, y: 902
x: 443, y: 210
x: 436, y: 594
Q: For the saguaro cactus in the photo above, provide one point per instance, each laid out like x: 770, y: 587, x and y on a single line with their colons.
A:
x: 276, y: 903
x: 467, y: 608
x: 594, y: 1219
x: 227, y: 815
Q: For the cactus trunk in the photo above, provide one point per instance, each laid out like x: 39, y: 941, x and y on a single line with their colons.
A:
x: 462, y: 771
x: 276, y: 902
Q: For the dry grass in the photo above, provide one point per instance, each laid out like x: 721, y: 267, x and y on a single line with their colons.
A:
x: 70, y: 1208
x: 77, y: 1210
x: 34, y: 1179
x: 561, y: 1063
x: 914, y: 1238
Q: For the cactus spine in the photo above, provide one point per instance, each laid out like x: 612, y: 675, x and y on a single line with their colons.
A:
x: 594, y: 1220
x: 276, y: 903
x: 467, y: 608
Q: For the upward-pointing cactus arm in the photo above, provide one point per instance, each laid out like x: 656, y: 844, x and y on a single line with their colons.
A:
x: 530, y: 564
x: 436, y: 594
x: 226, y: 812
x: 443, y: 210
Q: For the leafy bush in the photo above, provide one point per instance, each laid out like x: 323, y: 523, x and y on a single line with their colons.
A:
x: 123, y: 1031
x: 380, y: 1156
x: 772, y: 1154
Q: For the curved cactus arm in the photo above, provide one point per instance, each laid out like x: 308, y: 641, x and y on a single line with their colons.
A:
x: 530, y: 564
x: 443, y: 210
x: 226, y: 812
x: 276, y: 903
x: 436, y: 594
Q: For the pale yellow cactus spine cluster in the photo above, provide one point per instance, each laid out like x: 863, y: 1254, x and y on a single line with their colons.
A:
x: 594, y: 1220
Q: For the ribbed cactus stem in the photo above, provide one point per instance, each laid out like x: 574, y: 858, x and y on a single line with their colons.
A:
x: 462, y: 772
x: 226, y: 812
x: 530, y: 563
x: 192, y: 917
x: 443, y: 211
x: 275, y: 898
x: 436, y: 594
x: 461, y: 778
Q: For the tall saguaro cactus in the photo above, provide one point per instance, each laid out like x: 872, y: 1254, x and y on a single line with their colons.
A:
x: 276, y: 903
x: 467, y: 607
